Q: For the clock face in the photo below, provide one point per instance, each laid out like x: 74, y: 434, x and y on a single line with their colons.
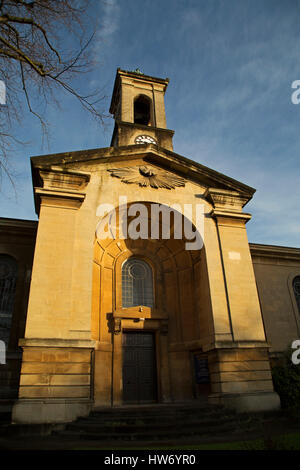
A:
x: 145, y: 139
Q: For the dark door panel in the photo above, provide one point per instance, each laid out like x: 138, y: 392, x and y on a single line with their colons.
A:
x: 139, y: 368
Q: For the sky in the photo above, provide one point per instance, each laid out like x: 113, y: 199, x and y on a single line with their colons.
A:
x: 231, y: 65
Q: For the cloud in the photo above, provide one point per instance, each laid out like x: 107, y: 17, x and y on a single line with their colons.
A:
x: 110, y: 22
x: 110, y: 14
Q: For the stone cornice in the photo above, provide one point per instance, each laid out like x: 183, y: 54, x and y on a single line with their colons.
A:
x: 223, y: 198
x: 19, y: 224
x: 227, y: 204
x: 60, y: 186
x: 63, y: 178
x: 272, y: 251
x: 167, y: 159
x: 67, y: 199
x: 145, y: 128
x: 231, y: 215
x: 18, y: 227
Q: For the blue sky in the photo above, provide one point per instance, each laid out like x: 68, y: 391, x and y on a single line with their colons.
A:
x: 231, y: 64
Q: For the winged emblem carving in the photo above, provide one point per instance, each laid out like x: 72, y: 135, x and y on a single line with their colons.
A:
x: 147, y: 176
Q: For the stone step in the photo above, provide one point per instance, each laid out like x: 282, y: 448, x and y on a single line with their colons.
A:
x: 135, y: 423
x: 156, y: 412
x: 167, y: 408
x: 136, y: 427
x: 150, y: 434
x: 153, y: 412
x: 154, y: 417
x: 16, y: 430
x: 144, y: 423
x: 149, y: 419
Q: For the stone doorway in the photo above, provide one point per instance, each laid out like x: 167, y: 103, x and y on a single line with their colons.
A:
x: 139, y: 367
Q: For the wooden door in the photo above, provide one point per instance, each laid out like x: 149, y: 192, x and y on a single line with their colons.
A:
x: 139, y: 367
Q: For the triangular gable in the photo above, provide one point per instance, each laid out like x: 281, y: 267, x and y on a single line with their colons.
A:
x: 184, y: 167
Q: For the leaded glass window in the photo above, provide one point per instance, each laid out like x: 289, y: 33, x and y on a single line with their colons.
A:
x: 137, y: 283
x: 8, y: 278
x: 296, y: 287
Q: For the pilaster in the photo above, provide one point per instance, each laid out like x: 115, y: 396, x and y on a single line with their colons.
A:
x: 240, y: 372
x: 241, y: 292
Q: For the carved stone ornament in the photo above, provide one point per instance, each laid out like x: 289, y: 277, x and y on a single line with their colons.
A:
x: 117, y: 326
x: 146, y: 176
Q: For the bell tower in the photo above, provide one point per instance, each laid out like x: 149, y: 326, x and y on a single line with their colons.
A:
x: 138, y: 108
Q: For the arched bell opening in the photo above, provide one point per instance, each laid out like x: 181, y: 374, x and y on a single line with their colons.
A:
x: 142, y: 110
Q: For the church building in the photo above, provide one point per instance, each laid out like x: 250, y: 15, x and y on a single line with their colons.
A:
x: 138, y: 284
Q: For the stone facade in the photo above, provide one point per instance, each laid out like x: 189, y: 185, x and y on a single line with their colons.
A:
x: 206, y: 303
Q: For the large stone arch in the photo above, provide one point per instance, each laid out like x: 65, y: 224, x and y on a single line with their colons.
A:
x: 181, y: 318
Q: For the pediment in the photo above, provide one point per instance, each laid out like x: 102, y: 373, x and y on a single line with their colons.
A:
x: 170, y: 169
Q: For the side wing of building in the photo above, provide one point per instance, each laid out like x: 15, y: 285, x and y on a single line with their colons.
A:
x: 17, y: 242
x: 277, y: 273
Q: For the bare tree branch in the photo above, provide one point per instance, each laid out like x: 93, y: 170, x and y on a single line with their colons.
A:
x: 44, y: 45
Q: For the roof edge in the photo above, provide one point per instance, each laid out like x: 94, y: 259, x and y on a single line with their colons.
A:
x: 153, y: 152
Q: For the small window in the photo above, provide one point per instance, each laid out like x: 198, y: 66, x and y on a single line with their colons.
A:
x: 137, y: 283
x: 296, y: 287
x: 8, y: 279
x: 142, y: 106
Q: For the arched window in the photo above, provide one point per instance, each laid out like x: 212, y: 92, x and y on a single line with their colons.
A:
x: 8, y: 279
x: 296, y: 287
x: 142, y: 110
x: 137, y: 283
